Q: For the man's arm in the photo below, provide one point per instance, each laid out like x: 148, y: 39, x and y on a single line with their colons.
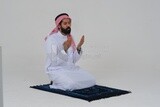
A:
x: 81, y: 42
x: 78, y: 52
x: 54, y: 54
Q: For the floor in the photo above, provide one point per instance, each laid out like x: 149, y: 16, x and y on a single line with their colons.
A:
x: 144, y: 85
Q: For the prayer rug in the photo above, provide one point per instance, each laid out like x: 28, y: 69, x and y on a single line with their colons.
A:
x: 92, y: 93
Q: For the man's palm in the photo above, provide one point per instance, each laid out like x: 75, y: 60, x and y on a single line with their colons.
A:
x: 67, y: 43
x: 81, y: 42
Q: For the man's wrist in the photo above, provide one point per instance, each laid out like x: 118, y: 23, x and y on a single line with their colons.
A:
x: 79, y: 49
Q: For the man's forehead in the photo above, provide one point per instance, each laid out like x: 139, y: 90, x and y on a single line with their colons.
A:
x: 66, y: 20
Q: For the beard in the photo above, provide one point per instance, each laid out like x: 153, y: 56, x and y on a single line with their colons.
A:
x: 66, y: 31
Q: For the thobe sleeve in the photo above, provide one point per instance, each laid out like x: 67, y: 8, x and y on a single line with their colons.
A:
x: 54, y: 54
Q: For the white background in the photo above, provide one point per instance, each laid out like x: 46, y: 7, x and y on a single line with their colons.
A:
x: 1, y: 89
x: 121, y: 49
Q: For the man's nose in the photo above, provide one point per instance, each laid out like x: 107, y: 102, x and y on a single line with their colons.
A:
x: 68, y: 25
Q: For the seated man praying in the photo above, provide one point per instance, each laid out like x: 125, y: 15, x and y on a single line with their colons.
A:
x: 62, y: 54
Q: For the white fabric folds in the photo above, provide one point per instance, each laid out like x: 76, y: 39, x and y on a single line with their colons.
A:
x: 60, y: 65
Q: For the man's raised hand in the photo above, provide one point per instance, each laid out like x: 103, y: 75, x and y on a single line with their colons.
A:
x: 80, y: 42
x: 67, y: 43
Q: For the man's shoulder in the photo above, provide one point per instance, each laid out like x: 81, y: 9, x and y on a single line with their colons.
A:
x: 50, y: 40
x: 53, y: 36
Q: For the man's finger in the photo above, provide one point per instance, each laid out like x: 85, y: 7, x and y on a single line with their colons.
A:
x: 82, y: 38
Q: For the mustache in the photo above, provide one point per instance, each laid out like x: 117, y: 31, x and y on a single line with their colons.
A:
x: 68, y: 28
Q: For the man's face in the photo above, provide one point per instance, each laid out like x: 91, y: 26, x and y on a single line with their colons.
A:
x: 65, y: 26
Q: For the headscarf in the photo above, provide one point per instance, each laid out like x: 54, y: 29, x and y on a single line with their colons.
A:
x: 58, y: 19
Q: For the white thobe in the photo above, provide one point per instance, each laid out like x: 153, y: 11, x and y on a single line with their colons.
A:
x: 60, y: 65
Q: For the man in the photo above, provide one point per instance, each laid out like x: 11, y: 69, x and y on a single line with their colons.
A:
x: 62, y: 54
